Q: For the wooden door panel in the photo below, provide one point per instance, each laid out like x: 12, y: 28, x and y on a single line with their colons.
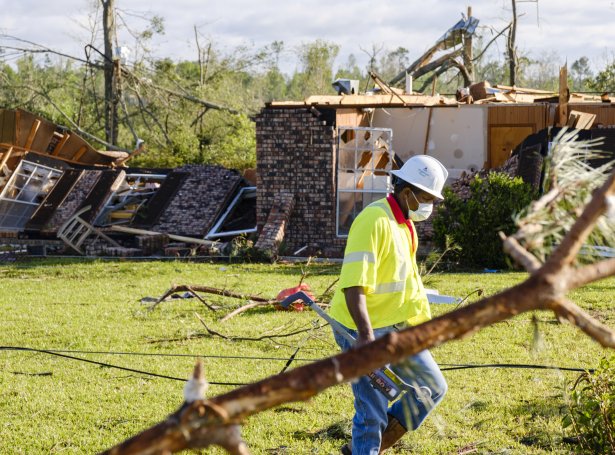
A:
x: 503, y: 140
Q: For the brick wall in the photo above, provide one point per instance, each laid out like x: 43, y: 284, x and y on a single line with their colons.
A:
x: 200, y: 199
x: 73, y: 200
x: 295, y: 153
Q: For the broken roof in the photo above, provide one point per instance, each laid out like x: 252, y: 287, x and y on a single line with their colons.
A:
x: 374, y: 100
x: 22, y: 131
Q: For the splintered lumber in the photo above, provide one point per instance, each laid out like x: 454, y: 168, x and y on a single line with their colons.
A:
x: 581, y: 120
x: 179, y: 238
x: 562, y: 107
x: 525, y: 90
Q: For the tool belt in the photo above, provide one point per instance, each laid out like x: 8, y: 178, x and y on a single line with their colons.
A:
x: 401, y: 326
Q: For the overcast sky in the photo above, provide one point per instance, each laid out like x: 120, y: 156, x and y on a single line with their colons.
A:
x: 569, y: 28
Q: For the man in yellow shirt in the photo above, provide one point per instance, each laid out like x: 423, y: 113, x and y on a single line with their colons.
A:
x: 380, y: 291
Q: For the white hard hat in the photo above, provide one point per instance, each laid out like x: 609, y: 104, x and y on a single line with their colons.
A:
x: 425, y: 172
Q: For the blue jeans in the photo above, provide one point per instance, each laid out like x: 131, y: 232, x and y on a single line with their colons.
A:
x: 372, y: 407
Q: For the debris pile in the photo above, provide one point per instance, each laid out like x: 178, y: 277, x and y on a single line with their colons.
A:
x: 53, y: 185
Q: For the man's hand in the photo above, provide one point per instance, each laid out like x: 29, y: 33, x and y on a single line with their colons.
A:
x: 357, y: 306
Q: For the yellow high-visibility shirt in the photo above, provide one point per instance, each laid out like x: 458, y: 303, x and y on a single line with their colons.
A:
x: 380, y: 256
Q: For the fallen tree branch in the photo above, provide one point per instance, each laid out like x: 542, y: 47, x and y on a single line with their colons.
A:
x: 304, y: 382
x: 259, y: 338
x: 244, y: 308
x: 209, y: 290
x: 183, y: 288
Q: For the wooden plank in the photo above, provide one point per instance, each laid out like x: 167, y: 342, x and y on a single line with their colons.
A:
x: 7, y: 126
x: 5, y: 158
x: 17, y: 127
x: 584, y: 120
x: 563, y: 96
x: 572, y: 119
x: 524, y: 90
x: 350, y: 117
x: 179, y: 238
x: 77, y: 156
x: 503, y: 140
x: 61, y: 144
x: 73, y: 145
x: 605, y: 113
x: 66, y: 160
x: 32, y: 135
x: 44, y: 136
x: 427, y: 132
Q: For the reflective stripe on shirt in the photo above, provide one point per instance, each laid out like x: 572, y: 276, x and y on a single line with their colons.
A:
x: 386, y: 288
x: 360, y: 256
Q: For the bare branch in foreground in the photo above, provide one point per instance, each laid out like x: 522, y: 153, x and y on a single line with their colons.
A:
x: 570, y: 312
x: 259, y: 338
x: 567, y: 251
x: 523, y: 257
x: 196, y: 425
x: 594, y: 272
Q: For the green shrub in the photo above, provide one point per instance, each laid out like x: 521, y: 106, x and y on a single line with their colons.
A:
x: 473, y: 224
x: 591, y: 414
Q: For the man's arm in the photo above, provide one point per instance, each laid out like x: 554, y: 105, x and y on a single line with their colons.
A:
x: 357, y: 306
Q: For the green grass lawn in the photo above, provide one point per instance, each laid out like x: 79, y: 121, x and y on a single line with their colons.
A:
x: 50, y: 404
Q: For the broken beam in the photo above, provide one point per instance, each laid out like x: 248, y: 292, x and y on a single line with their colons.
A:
x: 179, y: 238
x: 32, y: 135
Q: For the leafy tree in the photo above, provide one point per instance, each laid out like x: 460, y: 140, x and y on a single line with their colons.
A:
x: 540, y: 73
x: 393, y: 62
x: 316, y: 73
x: 581, y: 74
x: 604, y: 81
x: 350, y: 70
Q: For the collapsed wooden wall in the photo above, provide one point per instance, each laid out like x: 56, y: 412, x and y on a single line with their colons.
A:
x: 25, y: 131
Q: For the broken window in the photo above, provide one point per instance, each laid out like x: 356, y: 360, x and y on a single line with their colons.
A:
x: 23, y: 193
x: 132, y: 194
x: 364, y: 162
x: 239, y: 218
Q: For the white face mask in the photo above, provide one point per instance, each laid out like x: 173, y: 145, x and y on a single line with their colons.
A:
x: 422, y: 212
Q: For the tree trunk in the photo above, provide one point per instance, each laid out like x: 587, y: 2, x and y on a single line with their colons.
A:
x: 512, y: 51
x: 467, y: 53
x: 111, y: 67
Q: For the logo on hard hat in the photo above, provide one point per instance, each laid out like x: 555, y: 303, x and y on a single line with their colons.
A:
x: 424, y: 172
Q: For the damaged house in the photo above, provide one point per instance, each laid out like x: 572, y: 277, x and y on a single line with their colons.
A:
x: 57, y: 191
x: 322, y: 160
